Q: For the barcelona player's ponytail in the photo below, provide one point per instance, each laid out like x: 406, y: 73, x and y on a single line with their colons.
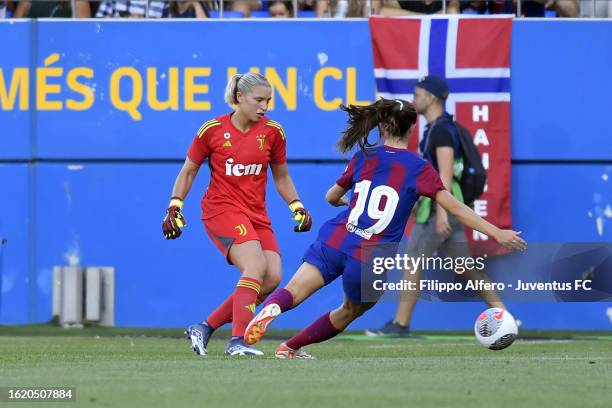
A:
x: 395, y: 116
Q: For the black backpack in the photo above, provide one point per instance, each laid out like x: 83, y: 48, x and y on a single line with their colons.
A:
x: 474, y: 175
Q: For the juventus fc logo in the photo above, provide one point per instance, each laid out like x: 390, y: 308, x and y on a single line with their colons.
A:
x: 242, y: 231
x: 262, y: 141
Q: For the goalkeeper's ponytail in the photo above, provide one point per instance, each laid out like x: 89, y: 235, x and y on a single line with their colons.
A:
x: 396, y: 116
x: 243, y: 83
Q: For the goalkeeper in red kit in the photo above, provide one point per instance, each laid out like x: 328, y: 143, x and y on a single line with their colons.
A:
x: 239, y: 147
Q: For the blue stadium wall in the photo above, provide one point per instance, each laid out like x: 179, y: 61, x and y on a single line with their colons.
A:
x: 88, y: 176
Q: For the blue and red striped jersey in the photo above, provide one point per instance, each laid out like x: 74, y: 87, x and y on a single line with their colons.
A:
x: 386, y: 183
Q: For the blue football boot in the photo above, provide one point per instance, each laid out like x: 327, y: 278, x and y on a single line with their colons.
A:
x: 199, y: 334
x: 237, y: 347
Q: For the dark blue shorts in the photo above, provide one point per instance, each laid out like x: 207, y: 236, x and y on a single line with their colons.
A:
x: 332, y: 263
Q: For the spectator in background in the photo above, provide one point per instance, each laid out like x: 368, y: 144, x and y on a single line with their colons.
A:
x: 534, y: 8
x: 187, y: 9
x: 529, y: 8
x: 8, y: 8
x: 280, y: 9
x: 474, y: 7
x: 564, y: 8
x: 603, y: 8
x: 51, y: 9
x: 307, y: 5
x: 342, y: 8
x: 132, y: 9
x: 408, y: 7
x: 244, y: 6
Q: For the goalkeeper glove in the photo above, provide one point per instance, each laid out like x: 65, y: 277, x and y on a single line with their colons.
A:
x: 174, y: 220
x: 301, y: 215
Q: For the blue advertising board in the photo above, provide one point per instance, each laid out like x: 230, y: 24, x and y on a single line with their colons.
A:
x: 96, y: 116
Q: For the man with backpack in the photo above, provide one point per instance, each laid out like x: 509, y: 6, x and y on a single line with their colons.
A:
x: 451, y: 150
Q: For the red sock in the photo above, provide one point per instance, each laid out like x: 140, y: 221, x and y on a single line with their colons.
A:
x: 245, y: 297
x: 319, y: 331
x: 221, y: 315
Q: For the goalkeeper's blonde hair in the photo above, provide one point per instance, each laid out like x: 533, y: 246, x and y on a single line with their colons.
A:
x: 243, y: 83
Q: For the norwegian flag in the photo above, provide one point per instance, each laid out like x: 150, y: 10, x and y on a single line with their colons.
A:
x: 473, y: 55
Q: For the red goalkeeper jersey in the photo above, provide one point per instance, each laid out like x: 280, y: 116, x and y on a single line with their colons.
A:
x: 238, y: 164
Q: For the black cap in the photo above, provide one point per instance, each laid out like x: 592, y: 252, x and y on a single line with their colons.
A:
x: 435, y: 85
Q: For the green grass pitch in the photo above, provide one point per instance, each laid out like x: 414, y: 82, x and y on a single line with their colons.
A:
x: 118, y: 368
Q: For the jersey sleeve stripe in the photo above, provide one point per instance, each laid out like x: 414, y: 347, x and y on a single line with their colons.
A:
x: 202, y: 127
x: 207, y: 126
x: 278, y: 126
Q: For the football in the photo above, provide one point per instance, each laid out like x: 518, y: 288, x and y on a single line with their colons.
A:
x: 495, y: 329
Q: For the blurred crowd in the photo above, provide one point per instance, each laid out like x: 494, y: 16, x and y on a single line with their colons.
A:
x: 297, y: 8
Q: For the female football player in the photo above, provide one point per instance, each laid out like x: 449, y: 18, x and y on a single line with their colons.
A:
x: 386, y: 181
x: 239, y: 147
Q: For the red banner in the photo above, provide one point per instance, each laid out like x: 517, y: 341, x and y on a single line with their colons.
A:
x: 473, y: 55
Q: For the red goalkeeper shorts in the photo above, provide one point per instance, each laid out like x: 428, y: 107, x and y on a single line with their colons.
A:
x: 232, y: 228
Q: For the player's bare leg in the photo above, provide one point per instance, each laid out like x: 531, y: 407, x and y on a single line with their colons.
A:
x: 306, y: 281
x: 249, y: 258
x: 273, y: 274
x: 349, y: 311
